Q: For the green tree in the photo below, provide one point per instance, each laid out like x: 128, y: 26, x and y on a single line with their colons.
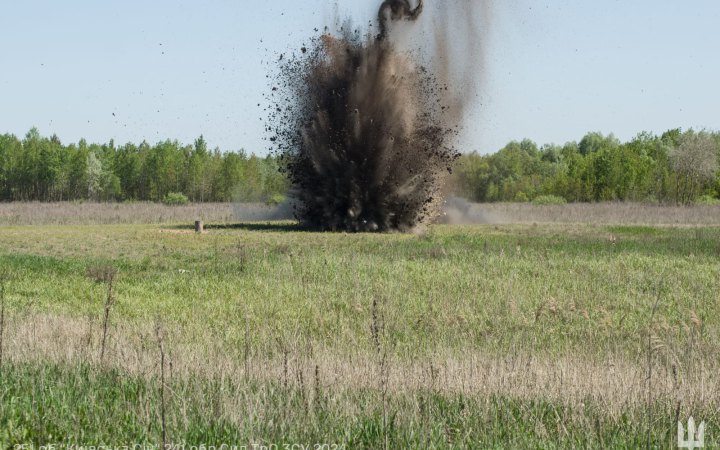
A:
x: 695, y: 162
x: 10, y: 156
x: 165, y: 169
x: 199, y: 183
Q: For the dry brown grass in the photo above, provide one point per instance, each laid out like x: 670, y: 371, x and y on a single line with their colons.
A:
x: 610, y: 213
x: 88, y: 213
x: 571, y: 379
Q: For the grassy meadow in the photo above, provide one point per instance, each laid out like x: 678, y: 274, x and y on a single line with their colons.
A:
x: 502, y: 335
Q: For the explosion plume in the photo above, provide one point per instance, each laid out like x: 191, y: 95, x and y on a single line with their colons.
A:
x: 364, y: 132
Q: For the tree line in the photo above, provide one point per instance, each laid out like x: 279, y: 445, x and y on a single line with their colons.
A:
x: 43, y: 169
x: 675, y: 167
x: 678, y: 167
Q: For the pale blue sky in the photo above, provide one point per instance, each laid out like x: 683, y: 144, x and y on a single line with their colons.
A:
x: 173, y: 69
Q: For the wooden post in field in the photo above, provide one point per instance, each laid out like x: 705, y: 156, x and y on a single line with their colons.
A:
x: 198, y: 226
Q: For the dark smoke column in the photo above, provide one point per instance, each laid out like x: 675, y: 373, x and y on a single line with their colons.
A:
x: 361, y: 132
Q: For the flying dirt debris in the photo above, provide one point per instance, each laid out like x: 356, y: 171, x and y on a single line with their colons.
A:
x: 399, y: 9
x: 364, y: 131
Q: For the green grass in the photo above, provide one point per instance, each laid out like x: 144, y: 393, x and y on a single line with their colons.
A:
x: 454, y: 286
x: 635, y: 230
x: 239, y: 302
x: 67, y: 405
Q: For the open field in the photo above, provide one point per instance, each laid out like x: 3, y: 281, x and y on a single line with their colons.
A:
x: 608, y: 213
x: 494, y: 335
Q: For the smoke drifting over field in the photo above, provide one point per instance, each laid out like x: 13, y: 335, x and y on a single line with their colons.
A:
x: 366, y: 130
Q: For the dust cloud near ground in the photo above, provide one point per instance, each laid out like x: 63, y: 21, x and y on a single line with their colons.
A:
x: 252, y: 212
x: 459, y: 211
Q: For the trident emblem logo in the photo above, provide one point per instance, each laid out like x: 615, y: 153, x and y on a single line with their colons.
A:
x: 691, y: 442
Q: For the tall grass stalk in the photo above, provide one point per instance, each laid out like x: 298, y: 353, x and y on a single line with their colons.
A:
x: 161, y: 347
x: 2, y: 316
x: 650, y: 362
x: 106, y: 275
